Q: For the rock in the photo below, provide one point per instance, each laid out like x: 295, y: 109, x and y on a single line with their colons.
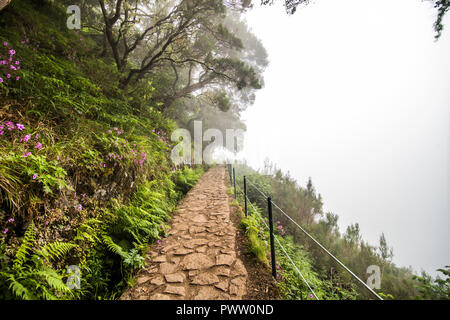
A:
x: 175, y: 290
x: 222, y: 285
x: 196, y: 261
x: 206, y: 293
x: 182, y: 251
x: 238, y: 269
x: 224, y: 259
x: 159, y: 296
x: 157, y: 281
x: 205, y: 278
x: 142, y: 280
x: 175, y: 277
x: 201, y: 249
x: 222, y: 271
x: 159, y: 259
x: 166, y: 268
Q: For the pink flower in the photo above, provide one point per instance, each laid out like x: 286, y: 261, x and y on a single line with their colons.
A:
x: 1, y: 133
x: 26, y: 154
x: 12, y: 52
x: 8, y: 76
x: 5, y: 43
x: 79, y: 207
x: 5, y: 231
x: 17, y: 78
x: 119, y: 132
x: 34, y: 176
x: 46, y: 223
x: 38, y: 146
x: 17, y: 62
x: 11, y: 220
x: 116, y: 129
x: 1, y: 80
x: 27, y: 137
x: 36, y: 136
x: 19, y: 126
x: 310, y: 296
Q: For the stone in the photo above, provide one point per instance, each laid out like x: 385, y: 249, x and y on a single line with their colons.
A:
x: 222, y: 271
x: 157, y: 281
x: 166, y: 268
x: 182, y: 251
x: 201, y: 249
x: 159, y: 296
x: 159, y: 259
x: 196, y: 261
x: 239, y: 269
x: 224, y: 259
x: 175, y: 277
x: 175, y: 290
x: 199, y: 218
x: 142, y: 280
x: 222, y: 285
x: 205, y: 278
x: 207, y: 293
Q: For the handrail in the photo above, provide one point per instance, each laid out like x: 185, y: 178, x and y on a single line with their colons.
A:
x: 316, y: 242
x: 282, y: 248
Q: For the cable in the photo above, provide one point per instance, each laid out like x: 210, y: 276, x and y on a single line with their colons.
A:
x: 282, y: 248
x: 321, y: 246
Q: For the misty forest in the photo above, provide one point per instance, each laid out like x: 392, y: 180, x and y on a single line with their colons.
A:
x: 92, y: 204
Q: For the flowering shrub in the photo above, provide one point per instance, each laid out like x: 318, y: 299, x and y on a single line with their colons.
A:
x: 9, y: 64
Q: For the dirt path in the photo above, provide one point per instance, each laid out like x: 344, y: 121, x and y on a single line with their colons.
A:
x: 198, y: 259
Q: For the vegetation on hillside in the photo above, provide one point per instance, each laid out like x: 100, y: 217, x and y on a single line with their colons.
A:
x: 325, y: 276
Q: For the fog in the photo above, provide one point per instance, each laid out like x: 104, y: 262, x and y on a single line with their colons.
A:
x: 357, y: 97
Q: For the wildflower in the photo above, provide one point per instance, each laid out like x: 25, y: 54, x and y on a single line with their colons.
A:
x: 119, y: 132
x: 11, y: 220
x: 5, y: 231
x: 27, y: 137
x: 38, y: 146
x: 109, y: 131
x: 34, y: 176
x: 12, y: 52
x: 5, y: 43
x: 83, y: 195
x: 79, y: 207
x: 20, y: 126
x: 26, y: 154
x: 12, y: 68
x: 8, y: 76
x: 17, y: 78
x: 116, y: 129
x: 36, y: 136
x: 46, y: 223
x: 1, y: 80
x: 278, y: 267
x: 310, y: 296
x: 57, y: 158
x: 1, y: 133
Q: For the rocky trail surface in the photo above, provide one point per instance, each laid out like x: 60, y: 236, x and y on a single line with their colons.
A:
x: 198, y: 259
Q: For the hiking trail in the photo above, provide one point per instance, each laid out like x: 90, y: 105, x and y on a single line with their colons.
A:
x: 198, y: 260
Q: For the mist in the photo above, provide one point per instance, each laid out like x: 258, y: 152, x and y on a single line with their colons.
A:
x: 356, y: 96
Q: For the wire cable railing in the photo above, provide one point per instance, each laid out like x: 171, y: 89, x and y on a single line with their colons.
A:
x: 233, y: 179
x: 281, y: 246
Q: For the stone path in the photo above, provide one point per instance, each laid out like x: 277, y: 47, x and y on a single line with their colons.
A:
x: 198, y: 259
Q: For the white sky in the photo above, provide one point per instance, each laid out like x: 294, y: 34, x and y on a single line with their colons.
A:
x: 357, y: 96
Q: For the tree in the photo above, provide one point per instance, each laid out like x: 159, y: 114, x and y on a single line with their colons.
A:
x: 442, y: 7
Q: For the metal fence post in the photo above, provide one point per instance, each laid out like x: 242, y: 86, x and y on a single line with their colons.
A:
x: 234, y: 179
x: 272, y: 244
x: 245, y: 195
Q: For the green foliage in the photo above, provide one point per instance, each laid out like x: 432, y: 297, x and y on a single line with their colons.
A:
x: 29, y: 277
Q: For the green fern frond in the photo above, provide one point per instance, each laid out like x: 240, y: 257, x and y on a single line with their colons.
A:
x: 19, y: 289
x: 55, y: 250
x: 27, y: 243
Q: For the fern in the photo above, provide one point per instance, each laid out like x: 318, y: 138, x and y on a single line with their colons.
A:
x: 29, y: 240
x: 55, y: 250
